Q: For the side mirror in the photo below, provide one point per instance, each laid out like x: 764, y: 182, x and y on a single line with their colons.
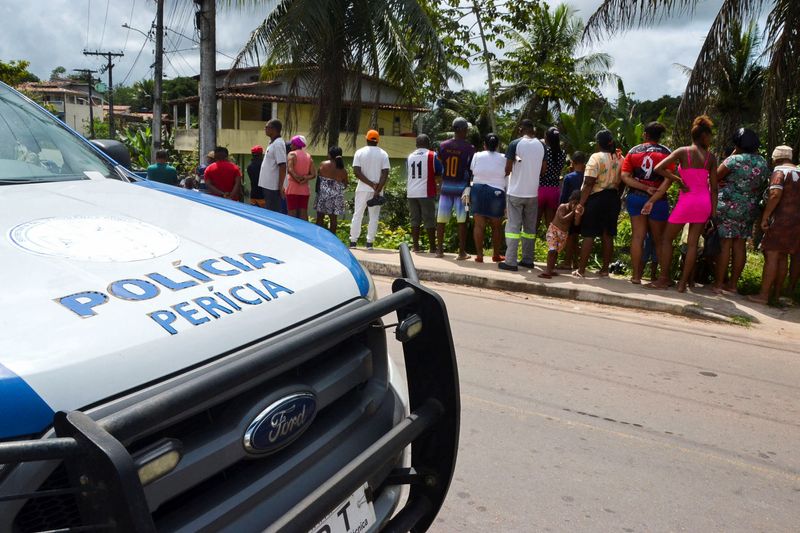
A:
x: 115, y: 150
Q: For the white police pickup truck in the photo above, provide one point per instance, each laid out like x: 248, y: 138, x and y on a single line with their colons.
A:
x: 171, y: 361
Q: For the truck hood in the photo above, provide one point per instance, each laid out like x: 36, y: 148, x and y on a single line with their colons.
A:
x: 110, y: 285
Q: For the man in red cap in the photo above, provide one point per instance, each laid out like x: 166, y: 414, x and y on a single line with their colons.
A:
x: 253, y: 170
x: 371, y: 167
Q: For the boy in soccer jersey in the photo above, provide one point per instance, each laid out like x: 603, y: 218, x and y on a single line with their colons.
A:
x: 456, y: 156
x: 423, y: 170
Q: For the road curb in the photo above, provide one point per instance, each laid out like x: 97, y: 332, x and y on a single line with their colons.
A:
x: 378, y: 268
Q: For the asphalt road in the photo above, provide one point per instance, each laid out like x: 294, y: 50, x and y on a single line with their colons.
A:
x: 578, y: 417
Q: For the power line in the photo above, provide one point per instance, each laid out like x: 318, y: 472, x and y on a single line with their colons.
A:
x: 88, y: 20
x: 196, y: 41
x: 105, y: 21
x: 110, y: 68
x: 89, y: 81
x: 139, y: 54
x: 130, y: 19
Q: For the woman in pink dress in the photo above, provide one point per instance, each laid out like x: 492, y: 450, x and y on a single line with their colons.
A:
x: 300, y: 170
x: 697, y: 202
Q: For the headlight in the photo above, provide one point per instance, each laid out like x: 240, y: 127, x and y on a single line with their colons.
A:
x: 372, y: 293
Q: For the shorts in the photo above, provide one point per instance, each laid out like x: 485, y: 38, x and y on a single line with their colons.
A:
x: 556, y: 238
x: 549, y: 198
x: 446, y: 205
x: 296, y: 201
x: 636, y: 201
x: 487, y: 201
x: 272, y: 200
x: 601, y: 214
x: 422, y: 211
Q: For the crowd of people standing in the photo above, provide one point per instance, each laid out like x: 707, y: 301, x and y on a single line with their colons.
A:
x: 528, y: 185
x: 718, y: 201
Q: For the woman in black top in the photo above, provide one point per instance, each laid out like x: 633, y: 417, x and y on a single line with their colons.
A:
x: 550, y: 182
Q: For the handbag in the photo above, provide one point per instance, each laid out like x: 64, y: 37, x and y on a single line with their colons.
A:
x: 712, y: 245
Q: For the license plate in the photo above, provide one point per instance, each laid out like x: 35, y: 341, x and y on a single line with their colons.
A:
x: 354, y: 515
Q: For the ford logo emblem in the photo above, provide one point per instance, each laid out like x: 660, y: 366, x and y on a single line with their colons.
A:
x: 280, y: 423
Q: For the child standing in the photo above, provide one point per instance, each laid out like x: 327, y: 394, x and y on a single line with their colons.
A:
x: 567, y: 216
x: 572, y: 182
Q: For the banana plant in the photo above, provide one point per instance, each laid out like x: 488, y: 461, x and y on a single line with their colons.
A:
x: 579, y: 128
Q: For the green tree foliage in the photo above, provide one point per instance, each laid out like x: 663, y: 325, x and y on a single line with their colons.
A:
x: 736, y: 99
x: 790, y: 127
x: 456, y: 20
x: 665, y: 108
x: 124, y: 95
x: 543, y: 72
x: 179, y: 87
x: 579, y: 127
x: 326, y: 45
x: 782, y: 55
x: 58, y: 73
x: 143, y: 95
x: 15, y: 72
x: 471, y: 30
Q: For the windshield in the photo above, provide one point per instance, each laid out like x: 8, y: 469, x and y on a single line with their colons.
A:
x: 35, y: 148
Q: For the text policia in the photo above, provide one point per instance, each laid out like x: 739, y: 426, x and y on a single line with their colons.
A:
x: 217, y: 304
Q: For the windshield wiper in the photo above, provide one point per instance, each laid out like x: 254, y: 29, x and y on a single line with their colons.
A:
x: 25, y: 181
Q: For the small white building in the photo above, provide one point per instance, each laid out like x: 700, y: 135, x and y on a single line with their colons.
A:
x: 68, y: 100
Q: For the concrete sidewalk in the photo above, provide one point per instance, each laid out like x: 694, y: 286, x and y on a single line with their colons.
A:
x: 695, y: 303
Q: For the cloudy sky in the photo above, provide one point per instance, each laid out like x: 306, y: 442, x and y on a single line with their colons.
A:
x: 49, y: 33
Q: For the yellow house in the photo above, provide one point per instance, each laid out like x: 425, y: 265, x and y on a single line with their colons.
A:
x: 245, y: 103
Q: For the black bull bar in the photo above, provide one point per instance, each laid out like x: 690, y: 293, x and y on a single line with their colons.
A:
x: 105, y: 480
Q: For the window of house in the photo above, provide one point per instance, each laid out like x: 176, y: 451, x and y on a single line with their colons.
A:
x: 343, y: 123
x: 254, y: 110
x: 396, y: 126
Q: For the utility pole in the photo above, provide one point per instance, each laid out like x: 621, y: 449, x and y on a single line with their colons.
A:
x: 206, y: 24
x: 487, y: 60
x: 89, y: 80
x: 158, y: 76
x: 109, y: 67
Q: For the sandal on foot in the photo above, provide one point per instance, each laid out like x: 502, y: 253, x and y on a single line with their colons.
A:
x: 498, y: 258
x: 479, y: 259
x: 545, y: 275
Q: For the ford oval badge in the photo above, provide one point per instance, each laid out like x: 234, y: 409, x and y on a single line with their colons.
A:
x: 280, y: 423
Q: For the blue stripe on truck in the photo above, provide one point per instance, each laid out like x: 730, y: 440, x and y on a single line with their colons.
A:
x: 22, y: 411
x: 320, y: 238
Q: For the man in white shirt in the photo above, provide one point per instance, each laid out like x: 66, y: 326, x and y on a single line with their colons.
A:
x: 371, y: 167
x: 525, y: 163
x: 272, y: 175
x: 423, y: 170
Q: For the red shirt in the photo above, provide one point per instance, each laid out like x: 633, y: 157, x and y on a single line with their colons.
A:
x: 642, y: 160
x: 222, y: 175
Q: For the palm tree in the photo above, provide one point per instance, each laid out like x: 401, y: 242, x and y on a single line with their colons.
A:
x: 782, y: 54
x: 324, y: 47
x: 143, y: 95
x: 739, y: 84
x: 544, y: 73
